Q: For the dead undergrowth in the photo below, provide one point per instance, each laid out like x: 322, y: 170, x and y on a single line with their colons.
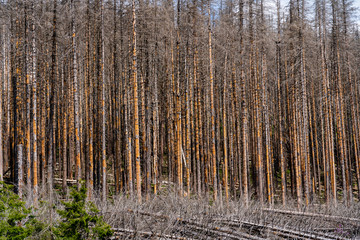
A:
x: 168, y: 216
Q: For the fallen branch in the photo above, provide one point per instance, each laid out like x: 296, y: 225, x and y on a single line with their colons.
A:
x: 214, y: 233
x: 122, y: 231
x: 307, y: 214
x: 59, y: 180
x: 218, y: 230
x: 332, y: 229
x: 283, y: 232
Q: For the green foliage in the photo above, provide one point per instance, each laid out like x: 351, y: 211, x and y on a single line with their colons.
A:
x: 16, y: 221
x: 80, y: 219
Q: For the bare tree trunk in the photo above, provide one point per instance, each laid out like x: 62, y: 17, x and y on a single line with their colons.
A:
x: 269, y: 161
x: 136, y: 107
x: 27, y: 70
x: 52, y: 103
x: 34, y: 106
x: 212, y: 109
x: 155, y: 110
x: 305, y: 130
x: 281, y: 130
x: 76, y: 99
x: 128, y: 141
x: 64, y: 132
x: 244, y: 107
x: 156, y: 130
x: 19, y: 180
x: 103, y: 114
x: 2, y: 81
x: 225, y: 134
x: 196, y: 106
x: 177, y: 100
x: 88, y: 111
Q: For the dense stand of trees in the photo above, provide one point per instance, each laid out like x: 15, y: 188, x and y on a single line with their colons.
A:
x: 229, y: 99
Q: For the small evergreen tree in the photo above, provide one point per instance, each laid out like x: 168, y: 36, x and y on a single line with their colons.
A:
x: 80, y: 219
x: 16, y: 221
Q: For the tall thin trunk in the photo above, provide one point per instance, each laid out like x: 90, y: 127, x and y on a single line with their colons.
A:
x: 34, y: 106
x: 212, y: 109
x: 19, y: 180
x: 128, y: 140
x: 244, y: 107
x: 156, y: 125
x: 281, y: 129
x: 116, y: 113
x: 76, y: 99
x: 136, y: 106
x: 64, y: 133
x: 103, y: 114
x: 268, y: 154
x: 28, y: 98
x: 196, y: 106
x: 177, y: 100
x: 305, y: 120
x: 342, y: 104
x: 53, y: 79
x: 188, y: 128
x: 2, y: 81
x: 225, y: 134
x: 89, y: 97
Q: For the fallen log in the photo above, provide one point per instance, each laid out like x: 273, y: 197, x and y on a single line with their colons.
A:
x: 59, y: 180
x: 222, y: 232
x: 218, y: 230
x: 214, y: 233
x: 332, y: 229
x: 283, y: 232
x: 307, y: 214
x: 123, y: 231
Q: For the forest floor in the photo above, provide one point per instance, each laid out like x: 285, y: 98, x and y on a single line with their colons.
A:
x: 168, y: 216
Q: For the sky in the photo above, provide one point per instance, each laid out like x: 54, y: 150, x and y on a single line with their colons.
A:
x: 270, y: 8
x: 310, y: 4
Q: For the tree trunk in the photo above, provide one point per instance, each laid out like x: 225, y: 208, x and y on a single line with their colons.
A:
x: 212, y: 109
x: 136, y: 107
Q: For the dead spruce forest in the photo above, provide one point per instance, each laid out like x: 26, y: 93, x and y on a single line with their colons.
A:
x: 232, y: 99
